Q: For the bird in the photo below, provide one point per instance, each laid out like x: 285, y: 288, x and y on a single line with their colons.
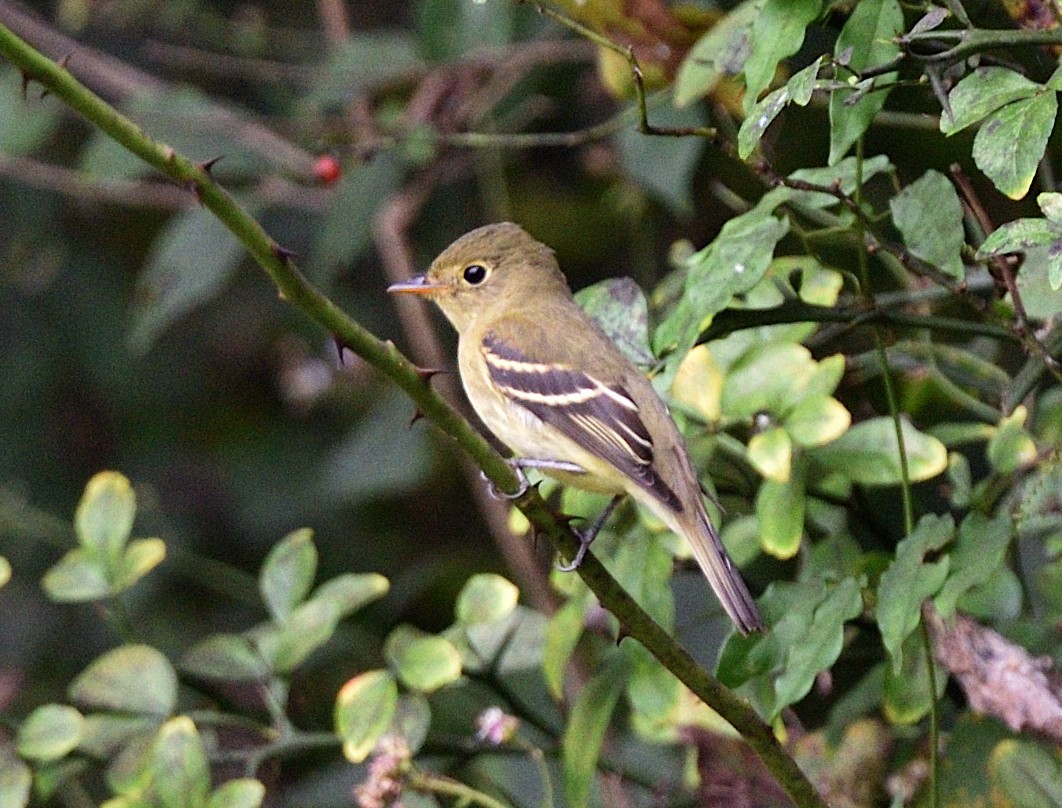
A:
x: 550, y: 384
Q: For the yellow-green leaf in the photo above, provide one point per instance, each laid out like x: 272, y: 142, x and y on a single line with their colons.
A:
x: 105, y: 514
x: 771, y: 453
x: 364, y: 708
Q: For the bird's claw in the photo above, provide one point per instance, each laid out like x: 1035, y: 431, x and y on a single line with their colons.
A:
x: 585, y: 540
x: 586, y: 537
x: 497, y: 493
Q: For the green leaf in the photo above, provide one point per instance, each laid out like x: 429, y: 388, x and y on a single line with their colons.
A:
x: 1026, y: 773
x: 867, y: 453
x: 619, y: 306
x: 719, y: 54
x: 906, y: 693
x: 797, y: 90
x: 817, y: 420
x: 734, y: 262
x: 349, y: 592
x: 1020, y: 235
x: 310, y: 626
x: 49, y: 733
x: 655, y: 696
x: 24, y: 127
x: 243, y: 792
x: 129, y: 770
x: 1051, y: 205
x: 978, y: 555
x: 1011, y: 448
x: 759, y: 118
x: 486, y: 598
x: 105, y: 515
x: 179, y: 766
x: 964, y: 768
x: 820, y: 644
x: 141, y: 557
x: 997, y: 600
x: 870, y: 33
x: 780, y: 511
x: 191, y: 262
x: 589, y: 718
x: 364, y: 708
x: 411, y: 720
x: 767, y: 379
x: 804, y: 82
x: 103, y: 734
x: 1011, y: 143
x: 226, y: 657
x: 15, y: 781
x: 77, y: 577
x: 447, y: 29
x: 562, y: 635
x: 1040, y: 281
x: 909, y: 580
x: 960, y: 480
x: 287, y: 573
x: 664, y: 165
x: 644, y: 569
x: 981, y: 93
x: 777, y: 33
x: 929, y: 216
x: 423, y: 662
x: 771, y: 453
x: 130, y: 678
x: 526, y: 641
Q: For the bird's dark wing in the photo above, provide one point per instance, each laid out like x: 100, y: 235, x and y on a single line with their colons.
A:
x: 602, y: 419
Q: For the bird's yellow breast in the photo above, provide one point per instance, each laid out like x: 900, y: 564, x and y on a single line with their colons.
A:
x: 527, y: 435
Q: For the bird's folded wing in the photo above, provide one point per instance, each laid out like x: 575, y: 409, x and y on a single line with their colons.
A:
x: 602, y: 419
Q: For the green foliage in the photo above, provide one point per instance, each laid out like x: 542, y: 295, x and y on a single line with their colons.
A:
x: 590, y: 718
x: 867, y: 40
x: 1017, y: 117
x: 364, y: 709
x: 929, y: 216
x: 105, y: 563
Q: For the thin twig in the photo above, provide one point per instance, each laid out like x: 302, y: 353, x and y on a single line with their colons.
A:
x: 335, y: 21
x: 390, y: 232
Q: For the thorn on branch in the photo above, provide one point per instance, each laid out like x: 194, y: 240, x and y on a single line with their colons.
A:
x: 285, y: 255
x: 208, y: 165
x: 426, y: 373
x: 340, y: 347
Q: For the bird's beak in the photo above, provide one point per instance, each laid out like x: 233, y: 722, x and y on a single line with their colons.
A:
x: 417, y: 285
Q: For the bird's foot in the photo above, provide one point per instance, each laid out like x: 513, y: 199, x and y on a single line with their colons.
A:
x: 518, y: 464
x: 586, y: 537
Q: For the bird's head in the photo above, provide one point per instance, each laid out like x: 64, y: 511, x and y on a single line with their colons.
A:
x: 486, y: 272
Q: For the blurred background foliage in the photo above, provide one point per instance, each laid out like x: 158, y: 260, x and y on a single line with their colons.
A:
x: 136, y: 335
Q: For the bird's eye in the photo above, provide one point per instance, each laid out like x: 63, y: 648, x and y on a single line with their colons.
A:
x: 474, y: 274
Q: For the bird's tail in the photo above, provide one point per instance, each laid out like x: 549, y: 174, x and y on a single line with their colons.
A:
x: 721, y: 573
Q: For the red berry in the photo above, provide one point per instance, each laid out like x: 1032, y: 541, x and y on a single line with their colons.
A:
x: 326, y: 169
